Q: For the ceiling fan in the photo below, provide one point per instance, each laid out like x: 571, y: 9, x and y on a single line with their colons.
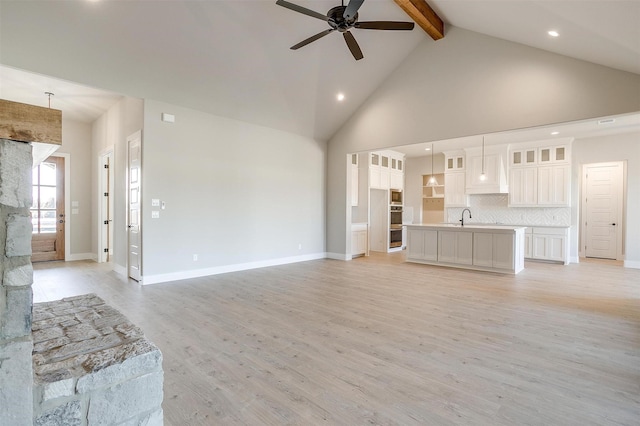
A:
x: 343, y: 18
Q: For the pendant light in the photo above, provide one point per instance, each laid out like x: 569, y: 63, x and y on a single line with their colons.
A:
x: 483, y: 177
x: 432, y: 180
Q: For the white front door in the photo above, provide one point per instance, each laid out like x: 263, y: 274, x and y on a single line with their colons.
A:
x: 134, y: 247
x: 603, y: 210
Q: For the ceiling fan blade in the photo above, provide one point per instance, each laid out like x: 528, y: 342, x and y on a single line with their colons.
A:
x: 384, y: 25
x: 302, y: 10
x: 352, y: 9
x: 312, y: 39
x: 353, y: 45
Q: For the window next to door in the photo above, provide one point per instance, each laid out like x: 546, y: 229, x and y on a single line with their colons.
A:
x: 43, y: 208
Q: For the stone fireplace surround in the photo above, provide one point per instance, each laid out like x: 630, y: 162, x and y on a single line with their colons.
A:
x: 91, y: 366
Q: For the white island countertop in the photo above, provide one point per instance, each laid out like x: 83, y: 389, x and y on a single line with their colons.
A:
x: 467, y: 227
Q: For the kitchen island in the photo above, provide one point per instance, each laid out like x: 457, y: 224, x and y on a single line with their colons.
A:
x: 495, y: 248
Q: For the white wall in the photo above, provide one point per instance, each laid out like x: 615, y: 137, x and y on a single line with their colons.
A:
x: 238, y: 195
x: 604, y: 149
x: 112, y: 129
x: 468, y: 84
x: 76, y: 141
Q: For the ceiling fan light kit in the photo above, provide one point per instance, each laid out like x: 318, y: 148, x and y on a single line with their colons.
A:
x: 343, y: 19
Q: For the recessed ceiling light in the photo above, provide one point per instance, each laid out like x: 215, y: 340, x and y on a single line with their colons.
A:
x: 340, y: 97
x: 427, y: 149
x: 555, y: 133
x: 553, y: 33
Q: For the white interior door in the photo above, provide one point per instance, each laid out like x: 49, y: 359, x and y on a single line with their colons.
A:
x: 105, y: 247
x: 134, y: 196
x: 603, y: 204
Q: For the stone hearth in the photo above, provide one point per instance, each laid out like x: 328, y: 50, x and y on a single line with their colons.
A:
x: 92, y: 366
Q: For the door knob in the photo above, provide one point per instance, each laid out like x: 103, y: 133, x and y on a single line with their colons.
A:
x: 613, y: 224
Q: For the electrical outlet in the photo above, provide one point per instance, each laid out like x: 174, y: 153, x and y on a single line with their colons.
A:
x: 195, y: 257
x: 155, y: 214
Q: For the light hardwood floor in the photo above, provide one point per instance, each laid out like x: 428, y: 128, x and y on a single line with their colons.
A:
x: 379, y: 341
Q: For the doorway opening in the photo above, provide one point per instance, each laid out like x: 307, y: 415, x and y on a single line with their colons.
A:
x: 603, y: 221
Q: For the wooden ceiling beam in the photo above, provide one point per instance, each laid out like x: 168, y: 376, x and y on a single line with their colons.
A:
x: 424, y: 16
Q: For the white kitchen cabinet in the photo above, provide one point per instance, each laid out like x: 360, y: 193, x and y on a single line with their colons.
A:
x: 493, y: 250
x: 396, y: 177
x: 386, y: 170
x: 554, y: 186
x: 549, y: 244
x: 523, y: 187
x: 455, y: 247
x: 358, y: 241
x: 504, y: 250
x: 454, y: 161
x: 523, y: 157
x: 495, y: 170
x: 354, y: 180
x: 422, y: 244
x: 396, y: 180
x: 540, y: 175
x: 483, y: 249
x: 486, y: 248
x: 553, y: 154
x: 454, y: 190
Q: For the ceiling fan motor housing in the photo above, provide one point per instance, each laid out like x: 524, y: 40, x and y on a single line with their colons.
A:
x: 337, y: 20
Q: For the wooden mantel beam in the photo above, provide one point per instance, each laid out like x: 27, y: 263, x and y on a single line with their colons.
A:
x: 30, y: 123
x: 424, y: 16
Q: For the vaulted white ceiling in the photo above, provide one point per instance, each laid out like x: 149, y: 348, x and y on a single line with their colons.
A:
x: 232, y: 57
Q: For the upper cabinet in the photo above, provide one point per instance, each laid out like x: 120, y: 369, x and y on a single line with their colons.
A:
x: 454, y: 180
x: 540, y: 174
x: 386, y: 170
x: 494, y: 166
x: 553, y: 154
x: 396, y: 177
x: 354, y: 179
x: 454, y: 162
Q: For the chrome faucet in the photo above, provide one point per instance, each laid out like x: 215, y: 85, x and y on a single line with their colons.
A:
x: 462, y: 219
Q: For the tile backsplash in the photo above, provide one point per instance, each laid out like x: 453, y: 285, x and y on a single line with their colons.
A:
x: 493, y: 208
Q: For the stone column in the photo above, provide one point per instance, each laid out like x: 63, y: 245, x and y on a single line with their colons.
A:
x: 16, y: 277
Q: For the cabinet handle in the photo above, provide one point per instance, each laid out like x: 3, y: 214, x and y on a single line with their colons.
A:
x: 613, y: 224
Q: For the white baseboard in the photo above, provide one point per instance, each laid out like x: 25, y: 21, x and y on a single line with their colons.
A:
x: 634, y: 264
x: 81, y: 256
x: 119, y: 269
x: 574, y: 259
x: 196, y: 273
x: 338, y: 256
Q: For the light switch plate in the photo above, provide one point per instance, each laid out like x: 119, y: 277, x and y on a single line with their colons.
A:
x: 155, y: 214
